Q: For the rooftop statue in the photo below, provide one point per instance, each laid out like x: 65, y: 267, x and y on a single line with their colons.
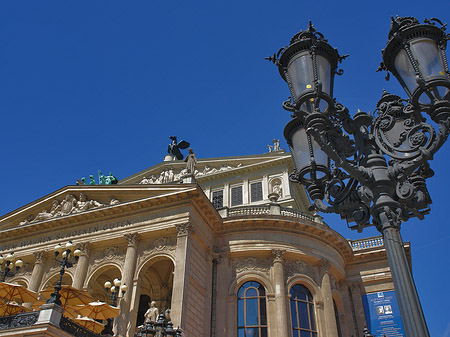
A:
x: 174, y: 147
x: 190, y: 162
x: 102, y: 180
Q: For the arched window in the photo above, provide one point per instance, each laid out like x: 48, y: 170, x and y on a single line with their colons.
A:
x: 302, y: 312
x: 252, y: 313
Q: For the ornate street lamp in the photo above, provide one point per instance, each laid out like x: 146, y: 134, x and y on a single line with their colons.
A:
x: 379, y: 162
x: 112, y: 292
x: 67, y: 251
x: 7, y: 263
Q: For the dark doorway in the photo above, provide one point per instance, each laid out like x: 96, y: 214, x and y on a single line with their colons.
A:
x: 144, y: 301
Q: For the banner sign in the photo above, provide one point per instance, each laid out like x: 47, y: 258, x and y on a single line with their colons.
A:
x: 383, y: 315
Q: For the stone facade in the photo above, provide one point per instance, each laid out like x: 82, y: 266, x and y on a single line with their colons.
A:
x: 168, y: 243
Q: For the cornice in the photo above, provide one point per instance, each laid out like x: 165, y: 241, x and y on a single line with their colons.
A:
x: 282, y: 224
x: 187, y: 195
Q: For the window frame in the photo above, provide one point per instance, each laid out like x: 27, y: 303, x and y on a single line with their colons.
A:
x: 212, y: 197
x: 297, y: 327
x: 261, y: 300
x: 251, y: 183
x: 241, y: 195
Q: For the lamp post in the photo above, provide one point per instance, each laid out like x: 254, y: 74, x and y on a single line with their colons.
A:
x: 371, y: 169
x: 7, y: 263
x: 66, y: 252
x: 112, y: 292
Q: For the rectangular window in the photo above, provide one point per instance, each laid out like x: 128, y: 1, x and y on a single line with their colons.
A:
x: 236, y: 196
x: 217, y: 199
x: 256, y: 191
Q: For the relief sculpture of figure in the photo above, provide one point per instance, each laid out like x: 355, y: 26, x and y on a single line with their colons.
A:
x: 190, y: 162
x: 151, y: 315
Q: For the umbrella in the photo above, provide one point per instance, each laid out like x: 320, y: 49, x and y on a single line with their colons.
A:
x: 11, y: 308
x: 69, y: 295
x: 69, y: 310
x: 90, y: 324
x: 99, y: 310
x: 15, y: 292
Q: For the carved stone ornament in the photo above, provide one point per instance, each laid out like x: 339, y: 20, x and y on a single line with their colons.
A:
x: 168, y: 175
x: 185, y: 229
x: 69, y: 205
x: 252, y: 264
x: 298, y: 267
x: 85, y: 247
x: 114, y: 253
x: 40, y: 256
x: 324, y: 266
x: 132, y: 238
x: 166, y: 244
x: 278, y: 255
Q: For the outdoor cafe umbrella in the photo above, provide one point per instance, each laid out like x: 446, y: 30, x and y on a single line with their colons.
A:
x: 89, y: 323
x: 14, y: 292
x: 69, y: 295
x: 11, y: 309
x: 99, y: 310
x: 69, y: 310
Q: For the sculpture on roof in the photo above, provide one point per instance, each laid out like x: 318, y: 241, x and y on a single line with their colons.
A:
x: 191, y: 161
x: 174, y: 148
x: 102, y: 179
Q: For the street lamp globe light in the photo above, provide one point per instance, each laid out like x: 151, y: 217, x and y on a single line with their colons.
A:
x: 415, y: 54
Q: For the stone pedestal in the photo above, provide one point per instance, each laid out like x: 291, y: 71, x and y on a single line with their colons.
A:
x: 50, y: 314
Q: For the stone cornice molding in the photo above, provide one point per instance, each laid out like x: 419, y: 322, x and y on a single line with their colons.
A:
x: 278, y: 255
x: 278, y: 223
x: 132, y: 239
x: 185, y: 229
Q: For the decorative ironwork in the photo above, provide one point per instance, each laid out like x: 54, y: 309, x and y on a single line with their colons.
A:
x: 19, y: 320
x: 75, y: 329
x: 380, y: 160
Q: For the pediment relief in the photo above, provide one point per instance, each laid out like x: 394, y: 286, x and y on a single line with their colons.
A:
x: 67, y: 206
x: 174, y: 171
x: 74, y: 200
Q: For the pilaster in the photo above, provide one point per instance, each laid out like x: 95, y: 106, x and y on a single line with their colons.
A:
x: 329, y: 315
x: 281, y: 314
x: 181, y: 274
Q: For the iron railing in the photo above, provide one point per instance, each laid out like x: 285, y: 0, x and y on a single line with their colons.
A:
x: 19, y: 320
x: 75, y: 329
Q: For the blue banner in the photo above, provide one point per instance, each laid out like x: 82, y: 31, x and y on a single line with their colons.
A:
x: 383, y: 315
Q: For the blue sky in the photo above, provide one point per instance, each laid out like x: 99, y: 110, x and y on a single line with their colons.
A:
x: 89, y: 85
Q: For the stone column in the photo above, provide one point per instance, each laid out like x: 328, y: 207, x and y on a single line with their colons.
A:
x: 355, y: 289
x: 82, y: 266
x: 328, y: 307
x: 280, y: 292
x: 223, y: 281
x: 38, y: 271
x: 181, y: 274
x: 122, y: 323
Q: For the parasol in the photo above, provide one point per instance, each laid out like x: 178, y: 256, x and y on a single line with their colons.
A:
x: 99, y: 310
x: 15, y: 292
